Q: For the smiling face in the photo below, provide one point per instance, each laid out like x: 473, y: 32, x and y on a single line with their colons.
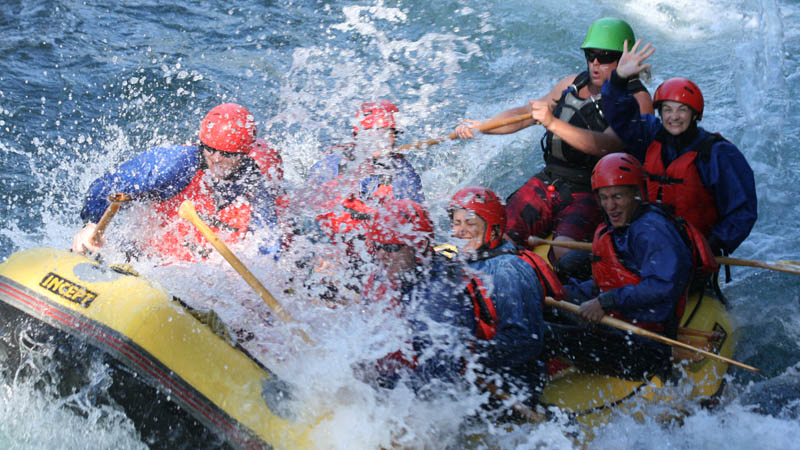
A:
x: 468, y: 226
x: 619, y: 203
x: 676, y: 117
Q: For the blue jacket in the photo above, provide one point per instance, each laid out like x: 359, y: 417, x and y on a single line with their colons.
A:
x: 517, y: 296
x: 653, y: 248
x: 397, y: 172
x: 437, y: 295
x: 726, y: 175
x: 160, y: 173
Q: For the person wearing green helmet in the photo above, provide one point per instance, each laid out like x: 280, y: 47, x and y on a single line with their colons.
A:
x: 558, y: 200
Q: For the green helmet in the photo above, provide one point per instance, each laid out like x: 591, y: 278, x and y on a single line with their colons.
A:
x: 609, y: 33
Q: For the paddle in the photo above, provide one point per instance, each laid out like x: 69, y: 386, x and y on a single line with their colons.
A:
x: 485, y: 126
x: 187, y: 212
x: 116, y: 201
x: 781, y: 266
x: 625, y: 326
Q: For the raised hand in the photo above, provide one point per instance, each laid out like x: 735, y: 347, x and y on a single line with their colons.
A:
x: 630, y: 63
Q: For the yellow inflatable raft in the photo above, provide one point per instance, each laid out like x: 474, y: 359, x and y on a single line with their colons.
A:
x: 591, y: 398
x: 157, y: 339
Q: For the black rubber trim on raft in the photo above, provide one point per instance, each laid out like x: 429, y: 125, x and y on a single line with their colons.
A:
x: 133, y: 356
x: 694, y: 311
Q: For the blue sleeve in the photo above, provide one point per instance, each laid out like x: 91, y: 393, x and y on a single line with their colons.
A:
x: 264, y: 219
x: 517, y: 300
x: 439, y: 301
x: 407, y: 184
x: 621, y: 110
x: 324, y: 170
x: 580, y: 290
x: 158, y: 173
x: 729, y: 178
x: 665, y: 264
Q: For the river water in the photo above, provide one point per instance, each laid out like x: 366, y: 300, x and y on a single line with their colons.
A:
x: 88, y: 84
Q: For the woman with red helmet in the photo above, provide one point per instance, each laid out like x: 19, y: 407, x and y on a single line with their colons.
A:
x: 516, y: 280
x: 641, y: 267
x: 230, y: 176
x: 703, y: 177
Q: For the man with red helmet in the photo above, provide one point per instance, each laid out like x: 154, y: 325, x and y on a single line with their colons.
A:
x: 425, y: 287
x: 349, y: 184
x: 702, y: 176
x: 232, y: 177
x: 516, y: 282
x: 370, y: 161
x: 641, y: 267
x: 558, y: 200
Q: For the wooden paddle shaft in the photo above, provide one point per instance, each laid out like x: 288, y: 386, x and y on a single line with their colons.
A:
x: 485, y: 126
x: 722, y: 260
x: 188, y: 212
x: 625, y: 326
x: 115, y: 201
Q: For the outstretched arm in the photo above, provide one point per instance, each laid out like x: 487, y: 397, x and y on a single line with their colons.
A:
x: 466, y: 130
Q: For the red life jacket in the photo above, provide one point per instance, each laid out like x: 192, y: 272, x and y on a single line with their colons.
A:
x: 268, y: 159
x: 180, y: 239
x: 485, y: 313
x: 679, y: 185
x: 608, y: 272
x: 270, y: 164
x: 551, y: 285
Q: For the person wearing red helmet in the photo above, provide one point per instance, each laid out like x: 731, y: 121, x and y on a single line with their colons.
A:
x: 231, y: 175
x: 516, y: 282
x: 370, y: 161
x: 558, y: 200
x: 349, y: 183
x: 641, y: 267
x: 703, y: 177
x: 424, y: 287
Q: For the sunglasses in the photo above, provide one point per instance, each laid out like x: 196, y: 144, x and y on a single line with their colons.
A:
x: 388, y: 248
x: 602, y: 56
x: 224, y: 154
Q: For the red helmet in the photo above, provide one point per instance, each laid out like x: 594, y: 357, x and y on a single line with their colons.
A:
x: 403, y: 222
x: 487, y: 206
x: 680, y: 90
x: 618, y: 169
x: 379, y: 114
x: 228, y: 127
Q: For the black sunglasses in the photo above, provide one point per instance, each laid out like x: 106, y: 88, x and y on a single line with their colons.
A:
x: 388, y: 248
x: 221, y: 152
x: 602, y: 56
